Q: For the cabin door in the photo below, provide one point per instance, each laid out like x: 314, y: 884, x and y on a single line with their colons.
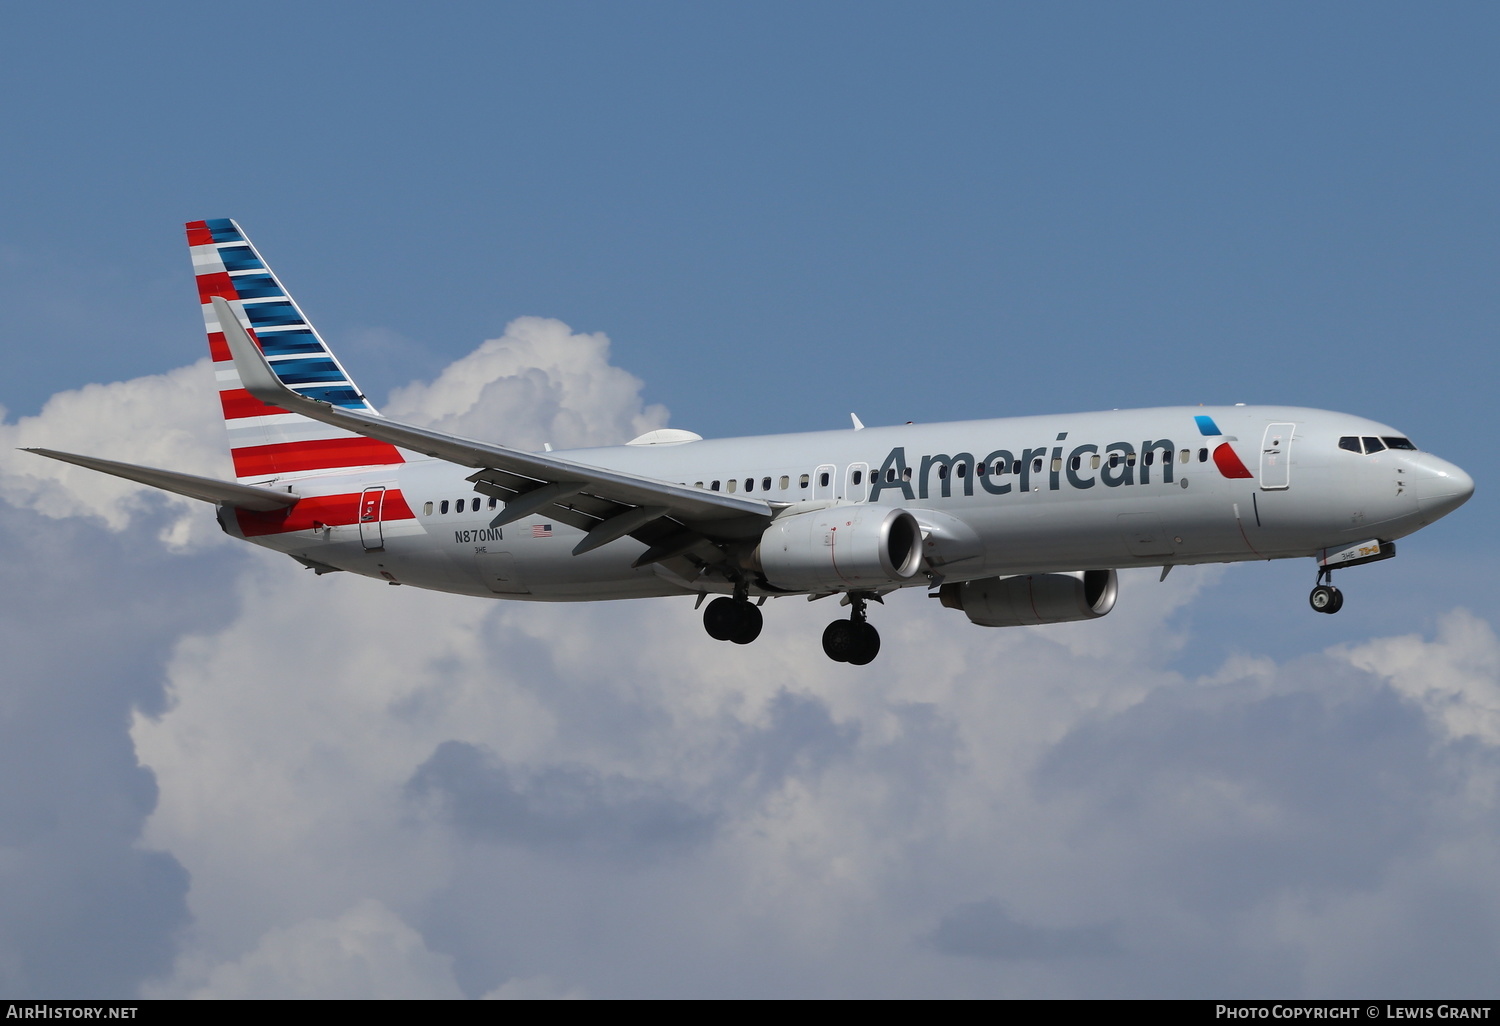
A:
x: 1276, y: 456
x: 371, y: 501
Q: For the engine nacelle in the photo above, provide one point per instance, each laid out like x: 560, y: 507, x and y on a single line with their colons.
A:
x: 1031, y: 599
x: 841, y: 547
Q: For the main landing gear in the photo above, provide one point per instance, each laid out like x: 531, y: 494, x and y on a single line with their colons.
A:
x: 732, y: 619
x: 853, y: 640
x: 845, y: 641
x: 1325, y: 598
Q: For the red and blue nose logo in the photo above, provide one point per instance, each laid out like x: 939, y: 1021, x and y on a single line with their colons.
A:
x: 1225, y: 458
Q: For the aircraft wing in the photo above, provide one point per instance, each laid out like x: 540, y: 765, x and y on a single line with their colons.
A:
x: 608, y: 504
x: 209, y: 489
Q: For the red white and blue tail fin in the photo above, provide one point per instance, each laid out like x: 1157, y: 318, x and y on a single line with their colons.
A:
x: 265, y: 441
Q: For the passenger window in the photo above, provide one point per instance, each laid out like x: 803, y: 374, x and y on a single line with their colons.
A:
x: 1094, y: 462
x: 1076, y: 462
x: 1150, y: 457
x: 749, y: 484
x: 733, y: 484
x: 427, y: 509
x: 458, y: 507
x: 1114, y: 459
x: 1130, y: 459
x: 784, y: 483
x: 906, y: 474
x: 765, y: 484
x: 1057, y: 464
x: 1036, y: 465
x: 823, y: 480
x: 803, y: 481
x: 859, y: 476
x: 1349, y: 442
x: 1184, y: 456
x: 697, y: 484
x: 962, y: 470
x: 1202, y: 455
x: 493, y: 501
x: 942, y: 471
x: 714, y: 486
x: 443, y: 506
x: 1373, y: 444
x: 890, y: 475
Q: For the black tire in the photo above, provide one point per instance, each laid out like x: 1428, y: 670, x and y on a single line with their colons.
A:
x: 1338, y: 601
x: 1325, y: 599
x: 867, y: 646
x: 750, y: 623
x: 721, y: 618
x: 839, y: 640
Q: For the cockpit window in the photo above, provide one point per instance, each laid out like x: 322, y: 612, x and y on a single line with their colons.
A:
x: 1369, y: 443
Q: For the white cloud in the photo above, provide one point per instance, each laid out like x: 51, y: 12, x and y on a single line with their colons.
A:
x: 377, y: 790
x: 1455, y: 678
x: 167, y: 420
x: 367, y: 952
x: 538, y: 383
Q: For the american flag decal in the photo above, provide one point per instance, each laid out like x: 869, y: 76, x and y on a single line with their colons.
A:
x: 541, y: 530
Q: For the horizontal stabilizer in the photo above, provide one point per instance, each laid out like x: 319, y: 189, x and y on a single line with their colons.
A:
x: 262, y: 500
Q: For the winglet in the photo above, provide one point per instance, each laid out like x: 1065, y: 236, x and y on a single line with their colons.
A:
x: 859, y: 425
x: 255, y: 372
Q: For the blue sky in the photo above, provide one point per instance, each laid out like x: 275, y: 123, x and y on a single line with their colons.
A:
x: 777, y: 213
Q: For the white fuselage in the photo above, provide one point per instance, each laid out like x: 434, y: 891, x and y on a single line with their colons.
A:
x: 994, y: 497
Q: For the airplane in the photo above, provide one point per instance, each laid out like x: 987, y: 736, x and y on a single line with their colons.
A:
x: 1014, y: 521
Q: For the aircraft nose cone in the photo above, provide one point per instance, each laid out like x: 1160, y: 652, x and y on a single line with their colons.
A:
x: 1440, y: 486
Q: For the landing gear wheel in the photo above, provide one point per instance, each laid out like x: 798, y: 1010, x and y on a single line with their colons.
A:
x: 853, y: 640
x: 867, y: 644
x: 840, y: 640
x: 1325, y: 598
x: 735, y: 620
x: 749, y: 625
x: 721, y: 618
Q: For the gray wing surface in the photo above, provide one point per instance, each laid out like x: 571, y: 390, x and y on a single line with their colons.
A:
x: 669, y: 518
x: 262, y: 500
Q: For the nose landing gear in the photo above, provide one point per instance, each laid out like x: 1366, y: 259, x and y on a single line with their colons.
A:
x: 1325, y: 598
x: 854, y: 640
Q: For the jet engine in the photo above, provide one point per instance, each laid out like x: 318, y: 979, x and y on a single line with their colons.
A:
x: 1030, y: 599
x: 841, y: 547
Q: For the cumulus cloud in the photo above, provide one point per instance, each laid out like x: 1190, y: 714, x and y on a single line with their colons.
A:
x: 1455, y: 678
x: 167, y: 420
x: 367, y: 952
x: 355, y: 789
x: 540, y: 382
